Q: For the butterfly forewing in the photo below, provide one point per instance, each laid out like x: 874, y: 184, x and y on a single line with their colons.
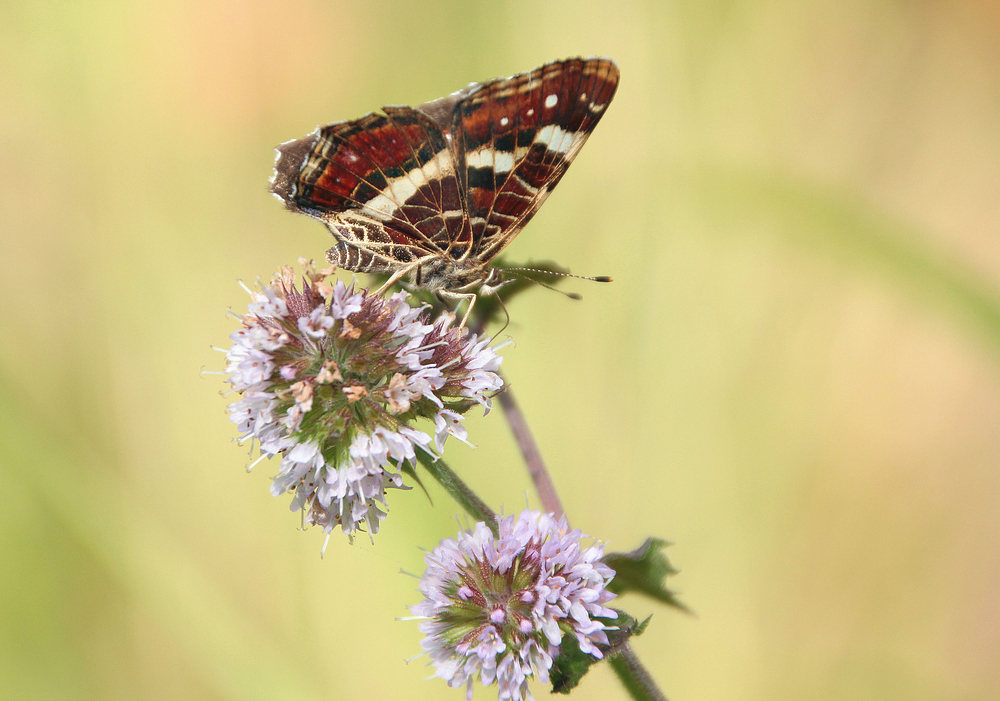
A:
x: 448, y: 184
x: 518, y: 135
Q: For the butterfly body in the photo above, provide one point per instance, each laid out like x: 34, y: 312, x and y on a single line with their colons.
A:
x: 433, y: 193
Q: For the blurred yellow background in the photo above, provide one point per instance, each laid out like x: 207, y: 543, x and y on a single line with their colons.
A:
x: 795, y: 376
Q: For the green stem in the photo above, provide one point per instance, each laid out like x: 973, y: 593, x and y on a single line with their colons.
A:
x: 634, y: 677
x: 459, y: 490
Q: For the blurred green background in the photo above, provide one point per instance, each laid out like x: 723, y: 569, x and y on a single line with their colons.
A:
x: 795, y: 376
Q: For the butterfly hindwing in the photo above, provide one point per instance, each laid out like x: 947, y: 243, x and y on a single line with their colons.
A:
x: 381, y: 183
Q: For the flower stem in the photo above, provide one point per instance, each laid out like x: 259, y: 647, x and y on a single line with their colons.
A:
x: 459, y: 490
x: 634, y: 676
x: 540, y: 476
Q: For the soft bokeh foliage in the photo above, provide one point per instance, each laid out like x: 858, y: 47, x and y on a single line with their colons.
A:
x: 795, y: 376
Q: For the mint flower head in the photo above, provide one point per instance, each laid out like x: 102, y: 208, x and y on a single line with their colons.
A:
x: 332, y: 379
x: 498, y: 608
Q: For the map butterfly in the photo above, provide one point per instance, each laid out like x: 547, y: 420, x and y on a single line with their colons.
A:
x: 434, y: 192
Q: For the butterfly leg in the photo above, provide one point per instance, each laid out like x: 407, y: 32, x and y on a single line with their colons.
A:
x: 444, y: 295
x: 391, y: 281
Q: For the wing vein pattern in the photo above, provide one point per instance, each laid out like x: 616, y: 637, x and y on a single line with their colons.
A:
x: 447, y: 184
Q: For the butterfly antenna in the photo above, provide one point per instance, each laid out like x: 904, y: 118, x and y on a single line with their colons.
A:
x: 596, y: 278
x: 571, y: 295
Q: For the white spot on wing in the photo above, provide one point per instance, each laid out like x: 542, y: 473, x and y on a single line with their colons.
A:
x: 480, y: 158
x: 551, y: 101
x: 503, y: 162
x: 555, y: 138
x: 504, y: 121
x: 531, y: 112
x: 486, y: 157
x: 401, y: 189
x: 595, y: 107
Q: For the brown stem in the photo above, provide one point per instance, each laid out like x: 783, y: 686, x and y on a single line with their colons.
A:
x: 529, y: 451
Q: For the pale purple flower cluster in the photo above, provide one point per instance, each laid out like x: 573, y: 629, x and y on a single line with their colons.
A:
x: 331, y: 380
x: 498, y: 609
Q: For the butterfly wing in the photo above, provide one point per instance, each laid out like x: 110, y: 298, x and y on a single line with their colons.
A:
x: 515, y: 137
x: 385, y: 185
x: 453, y: 179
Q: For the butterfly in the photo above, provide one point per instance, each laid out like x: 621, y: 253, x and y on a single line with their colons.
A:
x: 433, y: 193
